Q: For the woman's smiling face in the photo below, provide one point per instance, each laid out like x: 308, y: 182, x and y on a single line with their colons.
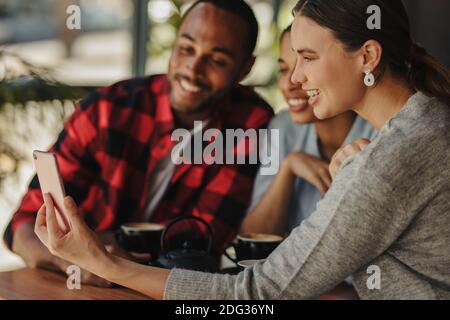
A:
x: 331, y: 76
x: 296, y: 98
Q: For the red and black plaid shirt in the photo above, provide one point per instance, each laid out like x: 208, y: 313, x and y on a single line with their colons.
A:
x: 113, y: 142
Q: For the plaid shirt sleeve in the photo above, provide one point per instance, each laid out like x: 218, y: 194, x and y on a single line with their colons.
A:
x: 77, y: 165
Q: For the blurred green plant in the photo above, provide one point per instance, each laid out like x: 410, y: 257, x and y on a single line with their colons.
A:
x: 32, y: 83
x: 21, y: 83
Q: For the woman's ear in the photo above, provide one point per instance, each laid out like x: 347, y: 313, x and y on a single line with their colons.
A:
x: 372, y: 52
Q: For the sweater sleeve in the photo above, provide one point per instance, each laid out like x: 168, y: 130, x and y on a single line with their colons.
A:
x: 357, y: 220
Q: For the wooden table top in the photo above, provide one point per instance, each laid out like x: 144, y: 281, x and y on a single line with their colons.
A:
x: 37, y: 284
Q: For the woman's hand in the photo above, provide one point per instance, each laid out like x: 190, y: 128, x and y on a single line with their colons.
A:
x: 79, y: 246
x: 83, y: 247
x: 346, y: 151
x: 311, y: 168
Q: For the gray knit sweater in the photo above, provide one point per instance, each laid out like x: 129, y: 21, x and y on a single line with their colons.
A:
x: 386, y: 217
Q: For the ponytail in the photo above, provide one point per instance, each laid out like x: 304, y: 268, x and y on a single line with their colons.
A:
x: 426, y: 74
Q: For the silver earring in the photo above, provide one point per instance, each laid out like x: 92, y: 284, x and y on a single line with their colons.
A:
x: 369, y: 78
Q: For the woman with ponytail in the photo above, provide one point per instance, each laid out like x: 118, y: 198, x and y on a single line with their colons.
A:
x: 385, y: 220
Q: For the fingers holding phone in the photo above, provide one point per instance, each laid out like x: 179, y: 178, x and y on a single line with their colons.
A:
x: 51, y: 183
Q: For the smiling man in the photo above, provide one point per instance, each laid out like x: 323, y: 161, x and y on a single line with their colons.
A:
x: 114, y: 152
x: 211, y: 55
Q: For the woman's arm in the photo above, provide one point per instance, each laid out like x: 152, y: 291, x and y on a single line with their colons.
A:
x: 318, y: 247
x: 358, y: 219
x: 270, y: 214
x: 355, y: 223
x: 81, y: 246
x: 150, y: 281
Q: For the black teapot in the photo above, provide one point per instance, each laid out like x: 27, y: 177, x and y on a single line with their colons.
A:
x: 186, y: 257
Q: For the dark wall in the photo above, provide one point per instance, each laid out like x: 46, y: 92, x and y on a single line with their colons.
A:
x: 430, y: 23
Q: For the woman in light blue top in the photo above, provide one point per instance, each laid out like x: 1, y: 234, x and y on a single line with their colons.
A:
x: 306, y: 145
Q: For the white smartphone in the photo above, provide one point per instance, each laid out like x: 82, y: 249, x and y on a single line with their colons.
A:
x: 51, y: 182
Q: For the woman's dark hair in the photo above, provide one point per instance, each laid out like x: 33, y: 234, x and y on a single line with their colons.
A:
x: 241, y: 9
x: 347, y: 19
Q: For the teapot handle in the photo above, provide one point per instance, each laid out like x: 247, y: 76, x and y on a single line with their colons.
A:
x: 208, y: 227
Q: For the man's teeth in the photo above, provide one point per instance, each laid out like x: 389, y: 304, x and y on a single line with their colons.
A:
x: 296, y: 102
x: 313, y: 93
x: 186, y: 85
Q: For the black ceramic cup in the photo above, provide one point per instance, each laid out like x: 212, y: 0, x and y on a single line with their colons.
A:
x: 141, y: 237
x: 254, y: 246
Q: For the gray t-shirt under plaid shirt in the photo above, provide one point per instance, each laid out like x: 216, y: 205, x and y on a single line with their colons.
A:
x: 388, y: 210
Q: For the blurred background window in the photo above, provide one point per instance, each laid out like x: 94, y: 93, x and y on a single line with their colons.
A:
x: 97, y: 54
x: 45, y: 67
